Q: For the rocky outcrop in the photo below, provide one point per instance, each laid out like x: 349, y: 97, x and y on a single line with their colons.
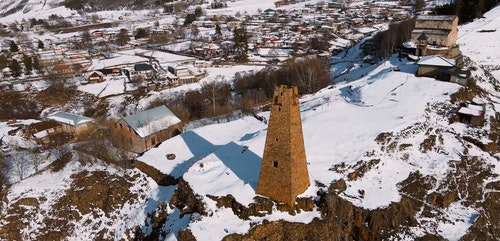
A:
x: 161, y: 178
x: 183, y: 199
x: 341, y: 220
x: 186, y: 200
x: 92, y: 196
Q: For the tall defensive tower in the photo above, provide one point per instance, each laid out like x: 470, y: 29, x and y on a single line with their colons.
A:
x: 283, y: 174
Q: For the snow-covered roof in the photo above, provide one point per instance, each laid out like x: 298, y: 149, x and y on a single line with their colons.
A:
x: 151, y: 121
x: 436, y: 60
x: 472, y: 110
x: 69, y: 119
x: 436, y: 17
x: 431, y: 31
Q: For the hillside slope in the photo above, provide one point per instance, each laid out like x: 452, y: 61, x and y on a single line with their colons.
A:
x: 418, y: 173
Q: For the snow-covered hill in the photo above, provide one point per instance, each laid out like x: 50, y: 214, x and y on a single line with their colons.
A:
x: 16, y: 10
x: 389, y: 127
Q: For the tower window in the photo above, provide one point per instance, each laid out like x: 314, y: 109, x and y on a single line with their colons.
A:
x: 275, y: 164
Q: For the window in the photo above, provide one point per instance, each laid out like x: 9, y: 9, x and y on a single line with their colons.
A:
x: 279, y: 108
x: 275, y: 164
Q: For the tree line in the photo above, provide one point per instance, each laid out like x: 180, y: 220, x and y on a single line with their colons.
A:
x: 250, y: 90
x: 467, y: 10
x: 383, y: 44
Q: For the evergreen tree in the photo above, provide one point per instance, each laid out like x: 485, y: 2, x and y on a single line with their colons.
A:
x: 36, y: 64
x: 141, y: 33
x: 28, y: 62
x: 198, y: 11
x: 240, y: 44
x: 13, y: 47
x: 15, y: 67
x: 190, y: 18
x: 218, y: 31
x: 40, y: 44
x: 3, y: 61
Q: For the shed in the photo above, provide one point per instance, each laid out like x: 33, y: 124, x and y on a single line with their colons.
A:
x: 471, y: 114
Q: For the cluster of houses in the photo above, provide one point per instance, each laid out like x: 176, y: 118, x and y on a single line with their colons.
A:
x: 434, y: 47
x: 272, y: 29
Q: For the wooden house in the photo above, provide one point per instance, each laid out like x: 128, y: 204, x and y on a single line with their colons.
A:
x: 99, y: 74
x: 43, y: 132
x: 145, y: 130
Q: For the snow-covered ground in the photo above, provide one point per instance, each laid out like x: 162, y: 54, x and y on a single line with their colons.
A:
x: 340, y: 125
x: 479, y: 39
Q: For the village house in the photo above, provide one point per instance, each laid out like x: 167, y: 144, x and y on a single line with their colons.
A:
x: 145, y: 130
x: 142, y: 71
x: 5, y: 86
x: 68, y: 69
x: 74, y: 125
x: 44, y: 132
x: 436, y: 35
x: 441, y: 68
x: 98, y: 75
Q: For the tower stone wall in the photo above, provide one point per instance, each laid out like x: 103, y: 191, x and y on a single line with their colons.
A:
x: 283, y: 174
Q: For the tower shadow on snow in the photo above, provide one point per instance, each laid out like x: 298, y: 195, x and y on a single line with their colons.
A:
x: 244, y: 163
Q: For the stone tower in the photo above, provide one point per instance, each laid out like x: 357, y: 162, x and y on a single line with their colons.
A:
x: 283, y: 174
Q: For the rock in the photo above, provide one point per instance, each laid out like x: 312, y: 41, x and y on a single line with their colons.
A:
x: 161, y: 178
x: 338, y: 186
x: 185, y: 235
x: 185, y: 200
x: 352, y: 176
x: 29, y: 201
x: 305, y: 204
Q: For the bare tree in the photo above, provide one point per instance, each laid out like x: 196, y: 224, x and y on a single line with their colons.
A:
x: 195, y: 31
x: 36, y: 158
x: 20, y: 164
x: 210, y: 90
x: 3, y: 172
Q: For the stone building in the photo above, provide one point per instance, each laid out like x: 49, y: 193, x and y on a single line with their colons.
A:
x: 145, y: 130
x: 283, y: 173
x: 436, y: 35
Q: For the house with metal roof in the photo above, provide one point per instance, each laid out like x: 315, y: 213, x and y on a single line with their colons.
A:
x: 145, y: 130
x: 74, y: 125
